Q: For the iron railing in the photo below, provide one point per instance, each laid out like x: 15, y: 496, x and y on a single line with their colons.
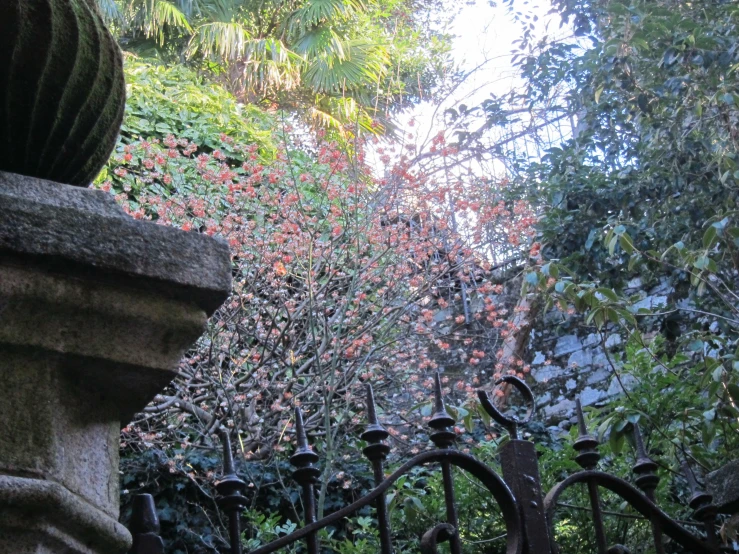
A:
x: 528, y: 516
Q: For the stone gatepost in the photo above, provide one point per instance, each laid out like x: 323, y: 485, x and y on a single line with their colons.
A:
x: 96, y: 309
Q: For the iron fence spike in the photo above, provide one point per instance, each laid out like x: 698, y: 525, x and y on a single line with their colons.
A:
x: 144, y: 517
x: 581, y: 427
x: 300, y: 429
x: 231, y: 488
x: 641, y: 451
x: 371, y: 410
x: 228, y: 460
x: 439, y: 399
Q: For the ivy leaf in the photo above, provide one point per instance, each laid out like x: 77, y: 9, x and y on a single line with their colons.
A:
x: 616, y: 441
x: 709, y: 237
x: 626, y: 244
x: 733, y: 391
x: 598, y: 92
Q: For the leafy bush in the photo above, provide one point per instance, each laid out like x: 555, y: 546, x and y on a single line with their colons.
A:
x: 339, y: 278
x: 174, y: 100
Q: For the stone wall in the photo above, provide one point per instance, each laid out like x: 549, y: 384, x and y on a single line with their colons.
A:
x: 567, y: 362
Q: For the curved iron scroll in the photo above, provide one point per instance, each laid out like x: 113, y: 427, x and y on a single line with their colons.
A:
x: 637, y: 499
x: 509, y: 422
x: 437, y: 534
x: 642, y: 498
x: 528, y: 517
x: 483, y: 473
x: 443, y: 436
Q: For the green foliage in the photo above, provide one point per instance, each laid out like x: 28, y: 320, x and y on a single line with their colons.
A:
x: 654, y: 146
x: 174, y: 100
x: 307, y: 55
x: 187, y: 511
x: 647, y: 186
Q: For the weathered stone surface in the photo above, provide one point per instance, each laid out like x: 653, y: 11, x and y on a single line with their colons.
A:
x: 589, y: 396
x: 613, y: 341
x: 91, y: 328
x: 600, y: 360
x: 649, y: 303
x: 664, y: 288
x: 580, y: 359
x: 62, y: 92
x: 84, y: 232
x: 563, y: 407
x: 629, y: 381
x: 598, y: 377
x: 544, y: 374
x: 723, y: 484
x: 567, y: 345
x: 544, y: 399
x: 46, y: 518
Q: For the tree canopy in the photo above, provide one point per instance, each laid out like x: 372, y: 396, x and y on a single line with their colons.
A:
x: 334, y: 61
x: 347, y: 272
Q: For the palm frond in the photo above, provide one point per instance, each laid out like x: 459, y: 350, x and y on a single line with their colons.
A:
x: 227, y: 41
x: 339, y: 112
x: 110, y: 11
x: 266, y: 63
x: 152, y: 17
x: 223, y: 11
x: 269, y: 64
x: 320, y: 40
x: 363, y: 63
x: 314, y: 12
x: 324, y: 119
x: 189, y: 8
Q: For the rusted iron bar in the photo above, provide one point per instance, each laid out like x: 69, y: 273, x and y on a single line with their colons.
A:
x: 231, y: 497
x: 436, y: 535
x: 497, y: 488
x: 144, y: 526
x: 637, y: 500
x: 588, y: 457
x: 306, y: 475
x: 521, y: 469
x: 376, y: 451
x: 647, y: 480
x: 701, y: 504
x: 528, y: 518
x: 443, y: 436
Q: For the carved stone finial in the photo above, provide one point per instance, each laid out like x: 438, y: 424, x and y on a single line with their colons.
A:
x: 62, y: 91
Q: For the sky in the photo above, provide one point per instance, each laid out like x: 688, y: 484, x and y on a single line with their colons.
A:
x: 485, y: 34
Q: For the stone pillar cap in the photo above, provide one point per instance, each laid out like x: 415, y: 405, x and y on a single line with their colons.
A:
x: 83, y: 231
x: 723, y: 484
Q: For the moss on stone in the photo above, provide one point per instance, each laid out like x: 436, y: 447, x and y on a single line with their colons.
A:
x: 62, y: 91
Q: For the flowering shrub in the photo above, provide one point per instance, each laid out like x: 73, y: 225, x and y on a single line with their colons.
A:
x: 340, y: 278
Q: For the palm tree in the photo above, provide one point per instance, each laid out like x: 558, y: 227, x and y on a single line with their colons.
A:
x: 333, y: 60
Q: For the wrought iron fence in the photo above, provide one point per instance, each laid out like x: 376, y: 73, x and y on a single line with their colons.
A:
x: 528, y: 516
